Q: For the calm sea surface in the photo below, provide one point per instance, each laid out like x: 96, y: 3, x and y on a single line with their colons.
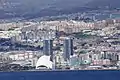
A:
x: 61, y: 75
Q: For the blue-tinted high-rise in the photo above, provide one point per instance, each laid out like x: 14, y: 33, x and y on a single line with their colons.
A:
x: 47, y: 48
x: 68, y: 48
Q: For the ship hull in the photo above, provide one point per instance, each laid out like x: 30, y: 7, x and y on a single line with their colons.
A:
x: 62, y: 75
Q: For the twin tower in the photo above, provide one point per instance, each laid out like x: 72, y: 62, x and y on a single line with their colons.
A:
x: 67, y: 48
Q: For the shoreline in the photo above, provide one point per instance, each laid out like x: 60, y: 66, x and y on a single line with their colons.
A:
x: 62, y: 70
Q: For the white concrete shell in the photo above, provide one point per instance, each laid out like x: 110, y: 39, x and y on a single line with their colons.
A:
x: 44, y: 61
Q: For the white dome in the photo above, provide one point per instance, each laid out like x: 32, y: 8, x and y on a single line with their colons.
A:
x: 44, y: 61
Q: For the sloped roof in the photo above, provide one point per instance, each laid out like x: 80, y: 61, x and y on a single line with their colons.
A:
x: 44, y: 61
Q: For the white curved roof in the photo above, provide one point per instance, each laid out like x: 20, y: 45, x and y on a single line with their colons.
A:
x: 44, y: 61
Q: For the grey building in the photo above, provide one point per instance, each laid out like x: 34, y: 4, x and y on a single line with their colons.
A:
x: 48, y: 48
x: 68, y: 49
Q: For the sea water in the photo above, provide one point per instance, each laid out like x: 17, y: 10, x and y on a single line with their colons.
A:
x: 62, y: 75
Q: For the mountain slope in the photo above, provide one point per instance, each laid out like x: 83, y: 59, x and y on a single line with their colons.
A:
x: 38, y: 8
x: 104, y: 3
x: 22, y: 8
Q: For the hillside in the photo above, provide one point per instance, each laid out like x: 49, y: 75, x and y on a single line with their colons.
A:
x: 38, y: 8
x: 104, y: 3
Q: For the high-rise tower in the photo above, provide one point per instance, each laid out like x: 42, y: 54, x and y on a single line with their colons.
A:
x: 68, y: 48
x: 47, y: 48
